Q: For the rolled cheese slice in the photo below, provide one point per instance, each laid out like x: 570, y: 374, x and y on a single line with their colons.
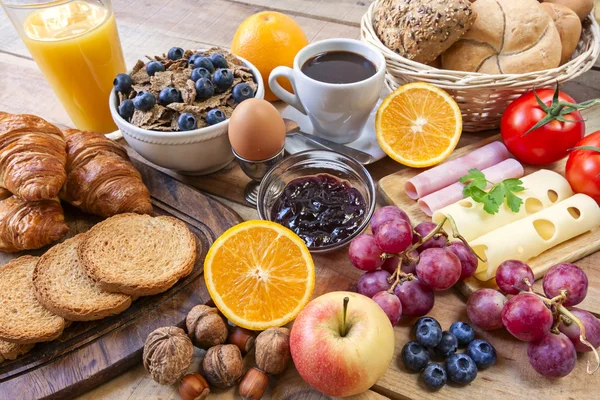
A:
x: 531, y: 236
x: 509, y: 168
x: 543, y: 189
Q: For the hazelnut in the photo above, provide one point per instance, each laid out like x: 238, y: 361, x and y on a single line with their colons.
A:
x: 223, y: 365
x: 167, y: 354
x: 253, y: 384
x: 273, y: 350
x: 242, y: 338
x: 205, y: 326
x: 193, y: 387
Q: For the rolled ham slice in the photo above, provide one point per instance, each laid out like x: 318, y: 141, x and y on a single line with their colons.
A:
x: 509, y: 168
x: 449, y: 172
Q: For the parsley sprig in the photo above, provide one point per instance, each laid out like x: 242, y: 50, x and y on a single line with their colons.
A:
x: 476, y: 182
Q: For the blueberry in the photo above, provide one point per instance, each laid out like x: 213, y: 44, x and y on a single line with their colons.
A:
x: 122, y: 83
x: 144, y: 101
x: 198, y: 73
x: 187, y: 122
x: 429, y: 334
x: 434, y: 376
x: 193, y: 58
x: 215, y: 116
x: 241, y: 92
x: 175, y: 53
x: 204, y: 62
x: 447, y: 346
x: 223, y: 79
x: 423, y: 320
x: 126, y: 109
x: 414, y: 356
x: 154, y: 67
x: 169, y: 95
x: 482, y: 352
x: 218, y: 60
x: 204, y: 88
x: 464, y: 333
x: 461, y: 369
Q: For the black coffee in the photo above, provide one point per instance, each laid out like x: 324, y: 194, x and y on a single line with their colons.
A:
x: 338, y: 67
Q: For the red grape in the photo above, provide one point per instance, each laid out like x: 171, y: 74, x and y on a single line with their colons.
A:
x: 526, y: 317
x: 373, y: 282
x: 568, y: 277
x: 592, y: 330
x: 510, y: 276
x: 423, y: 229
x: 364, y: 253
x: 438, y: 268
x: 417, y: 298
x: 390, y: 265
x: 468, y: 260
x: 390, y: 303
x: 409, y: 267
x: 552, y: 356
x: 385, y: 214
x: 394, y: 236
x: 484, y: 309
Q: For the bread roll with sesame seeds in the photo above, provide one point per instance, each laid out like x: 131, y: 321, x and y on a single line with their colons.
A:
x: 422, y: 30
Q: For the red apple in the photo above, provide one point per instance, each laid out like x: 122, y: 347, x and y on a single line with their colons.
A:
x: 340, y: 363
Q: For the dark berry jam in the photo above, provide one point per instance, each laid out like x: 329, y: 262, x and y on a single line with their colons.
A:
x: 321, y: 209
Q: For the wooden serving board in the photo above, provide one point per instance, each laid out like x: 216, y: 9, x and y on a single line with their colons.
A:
x: 391, y: 189
x: 90, y: 353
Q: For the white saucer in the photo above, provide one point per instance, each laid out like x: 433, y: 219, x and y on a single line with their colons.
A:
x: 366, y: 142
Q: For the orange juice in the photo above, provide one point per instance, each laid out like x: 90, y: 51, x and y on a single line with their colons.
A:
x: 76, y: 45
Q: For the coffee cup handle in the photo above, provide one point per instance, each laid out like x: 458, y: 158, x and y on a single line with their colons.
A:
x: 290, y: 98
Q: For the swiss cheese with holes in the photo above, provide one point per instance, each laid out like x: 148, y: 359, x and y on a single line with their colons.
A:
x: 544, y: 188
x: 532, y: 235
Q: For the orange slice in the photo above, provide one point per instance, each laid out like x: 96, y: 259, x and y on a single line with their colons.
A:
x: 259, y: 274
x: 418, y: 125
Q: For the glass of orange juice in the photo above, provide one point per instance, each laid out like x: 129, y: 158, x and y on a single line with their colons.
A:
x: 76, y: 45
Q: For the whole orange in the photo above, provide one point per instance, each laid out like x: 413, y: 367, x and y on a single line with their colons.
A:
x: 269, y: 39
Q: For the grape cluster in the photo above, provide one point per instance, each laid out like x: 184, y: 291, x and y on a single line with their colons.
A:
x: 554, y: 332
x: 405, y: 265
x: 431, y: 342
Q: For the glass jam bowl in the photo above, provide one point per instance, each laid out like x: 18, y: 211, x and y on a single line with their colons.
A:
x: 342, y: 177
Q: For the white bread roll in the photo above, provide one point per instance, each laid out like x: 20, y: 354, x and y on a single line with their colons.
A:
x: 508, y: 37
x: 569, y: 28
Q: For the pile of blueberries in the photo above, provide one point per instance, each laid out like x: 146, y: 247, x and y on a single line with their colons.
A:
x: 460, y: 368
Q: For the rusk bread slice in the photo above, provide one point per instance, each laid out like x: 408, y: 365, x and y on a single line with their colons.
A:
x: 10, y: 351
x: 63, y: 287
x: 138, y: 255
x: 22, y: 318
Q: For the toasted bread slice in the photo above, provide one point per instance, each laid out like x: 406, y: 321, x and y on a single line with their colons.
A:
x: 10, y: 351
x: 22, y: 318
x: 63, y: 287
x: 138, y: 255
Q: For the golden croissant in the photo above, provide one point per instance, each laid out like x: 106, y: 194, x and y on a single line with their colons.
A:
x: 100, y: 178
x: 32, y: 156
x: 28, y: 225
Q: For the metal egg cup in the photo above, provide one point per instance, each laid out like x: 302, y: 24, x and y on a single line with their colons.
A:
x: 256, y: 170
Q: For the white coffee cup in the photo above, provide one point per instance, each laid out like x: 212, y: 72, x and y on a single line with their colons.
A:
x: 338, y: 112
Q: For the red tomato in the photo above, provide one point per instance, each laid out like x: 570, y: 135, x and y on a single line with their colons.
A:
x: 583, y: 167
x: 547, y: 143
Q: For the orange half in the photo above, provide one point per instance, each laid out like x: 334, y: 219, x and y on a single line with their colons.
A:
x: 259, y: 274
x: 418, y: 125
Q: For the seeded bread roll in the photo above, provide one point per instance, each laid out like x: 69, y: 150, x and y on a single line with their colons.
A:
x: 422, y: 30
x: 508, y: 37
x: 569, y: 28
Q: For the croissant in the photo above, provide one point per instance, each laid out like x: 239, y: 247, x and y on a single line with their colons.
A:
x: 28, y: 225
x: 32, y: 156
x: 100, y: 178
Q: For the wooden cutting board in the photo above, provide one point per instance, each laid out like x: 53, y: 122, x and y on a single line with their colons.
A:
x: 391, y: 189
x: 89, y: 353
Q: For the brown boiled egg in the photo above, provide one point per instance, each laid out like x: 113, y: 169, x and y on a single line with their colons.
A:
x: 256, y: 130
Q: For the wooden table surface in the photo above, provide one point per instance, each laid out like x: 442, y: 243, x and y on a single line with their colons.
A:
x: 153, y: 26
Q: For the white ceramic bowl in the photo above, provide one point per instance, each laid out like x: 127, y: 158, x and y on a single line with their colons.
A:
x: 196, y: 152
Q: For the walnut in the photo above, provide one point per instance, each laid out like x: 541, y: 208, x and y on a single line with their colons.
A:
x: 223, y: 365
x: 273, y: 350
x: 205, y: 326
x: 167, y: 354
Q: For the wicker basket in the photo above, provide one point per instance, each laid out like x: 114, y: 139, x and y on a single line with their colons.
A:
x: 482, y: 97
